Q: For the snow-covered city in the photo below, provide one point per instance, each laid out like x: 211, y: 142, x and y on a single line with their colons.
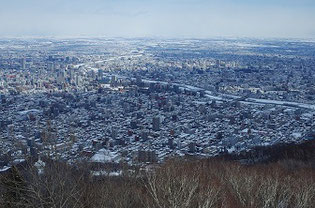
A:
x: 140, y: 101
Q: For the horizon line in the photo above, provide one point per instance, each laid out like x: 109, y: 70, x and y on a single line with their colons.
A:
x: 152, y: 37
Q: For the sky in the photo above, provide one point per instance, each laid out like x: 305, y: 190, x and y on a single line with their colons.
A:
x: 158, y: 18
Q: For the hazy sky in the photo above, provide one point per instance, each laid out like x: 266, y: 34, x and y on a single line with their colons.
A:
x: 158, y: 18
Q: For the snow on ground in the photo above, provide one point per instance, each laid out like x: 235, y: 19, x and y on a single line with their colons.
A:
x: 105, y: 173
x: 5, y: 168
x: 297, y: 135
x: 104, y: 156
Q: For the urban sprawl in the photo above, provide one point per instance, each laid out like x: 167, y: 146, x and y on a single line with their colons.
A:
x: 140, y: 101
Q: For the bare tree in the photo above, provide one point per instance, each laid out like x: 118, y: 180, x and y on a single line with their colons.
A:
x: 171, y: 188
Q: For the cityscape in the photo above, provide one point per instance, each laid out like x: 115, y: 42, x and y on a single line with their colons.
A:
x: 157, y: 104
x: 141, y: 101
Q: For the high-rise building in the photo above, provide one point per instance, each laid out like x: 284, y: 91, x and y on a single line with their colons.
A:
x: 144, y: 136
x: 51, y: 66
x: 156, y: 123
x: 23, y: 63
x: 114, y: 133
x: 77, y: 80
x: 10, y: 131
x: 171, y: 143
x: 71, y: 74
x: 147, y: 156
x: 93, y: 74
x: 113, y: 81
x: 139, y: 81
x: 100, y: 74
x: 61, y: 77
x: 192, y: 147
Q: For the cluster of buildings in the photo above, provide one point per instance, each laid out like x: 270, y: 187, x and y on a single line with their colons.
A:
x: 136, y: 103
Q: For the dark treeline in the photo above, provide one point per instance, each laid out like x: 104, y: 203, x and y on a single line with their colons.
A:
x: 304, y: 152
x: 278, y: 176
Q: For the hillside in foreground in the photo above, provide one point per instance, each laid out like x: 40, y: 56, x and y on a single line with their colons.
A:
x: 176, y: 183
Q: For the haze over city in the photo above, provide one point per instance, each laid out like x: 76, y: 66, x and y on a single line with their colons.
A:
x: 164, y: 18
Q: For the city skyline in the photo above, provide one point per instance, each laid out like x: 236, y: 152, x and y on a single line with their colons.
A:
x: 166, y: 19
